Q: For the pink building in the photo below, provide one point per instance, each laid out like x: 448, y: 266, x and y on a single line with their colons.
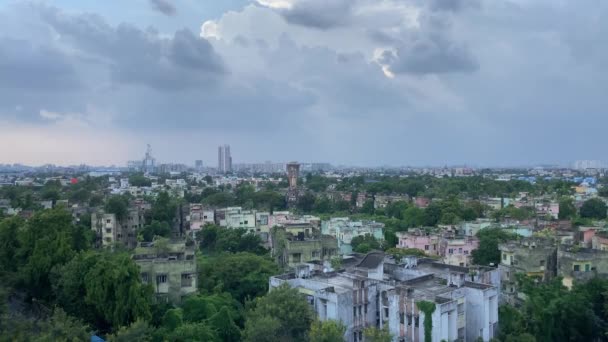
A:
x: 453, y: 250
x: 428, y: 243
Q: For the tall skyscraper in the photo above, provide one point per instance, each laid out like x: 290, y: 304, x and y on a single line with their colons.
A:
x: 224, y: 159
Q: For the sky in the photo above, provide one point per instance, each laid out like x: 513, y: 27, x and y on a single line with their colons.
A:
x: 357, y: 82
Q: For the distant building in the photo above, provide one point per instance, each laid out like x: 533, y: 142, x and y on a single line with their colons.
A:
x: 110, y: 230
x: 295, y: 244
x: 293, y: 171
x: 170, y: 266
x: 453, y: 249
x: 224, y: 159
x: 381, y: 201
x: 344, y: 230
x: 198, y: 165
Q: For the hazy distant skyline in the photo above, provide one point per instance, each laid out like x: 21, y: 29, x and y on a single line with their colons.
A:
x: 357, y: 82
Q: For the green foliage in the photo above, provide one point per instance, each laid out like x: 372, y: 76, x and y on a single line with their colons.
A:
x: 327, y: 331
x: 553, y: 313
x: 156, y: 228
x: 193, y: 332
x: 163, y: 209
x: 224, y: 324
x: 45, y: 241
x: 215, y: 239
x: 139, y: 179
x: 118, y: 205
x: 567, y: 209
x: 489, y: 239
x: 243, y: 275
x: 365, y: 243
x: 594, y: 208
x: 58, y: 327
x: 427, y: 308
x: 138, y: 331
x: 261, y: 329
x: 368, y: 207
x: 373, y: 334
x: 282, y: 304
x: 103, y: 288
x: 220, y: 199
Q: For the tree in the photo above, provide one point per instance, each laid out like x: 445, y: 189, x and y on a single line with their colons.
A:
x: 374, y: 334
x: 118, y: 206
x: 368, y: 207
x: 261, y: 329
x: 156, y: 228
x: 327, y: 331
x: 45, y: 241
x: 138, y: 331
x: 567, y: 209
x: 414, y: 217
x: 285, y: 305
x: 103, y: 288
x: 226, y: 329
x: 139, y: 180
x: 489, y: 239
x: 594, y: 208
x: 193, y: 332
x: 215, y: 239
x: 306, y: 202
x: 243, y: 275
x: 365, y: 243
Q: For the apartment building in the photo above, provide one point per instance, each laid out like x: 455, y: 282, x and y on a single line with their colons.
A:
x: 111, y: 230
x: 370, y: 293
x: 170, y: 266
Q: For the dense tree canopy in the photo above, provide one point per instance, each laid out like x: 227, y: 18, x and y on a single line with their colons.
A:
x: 594, y: 208
x: 283, y: 313
x: 489, y: 239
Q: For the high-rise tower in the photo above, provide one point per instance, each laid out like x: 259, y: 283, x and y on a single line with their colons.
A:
x: 224, y: 159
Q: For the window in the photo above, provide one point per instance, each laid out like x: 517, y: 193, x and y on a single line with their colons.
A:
x: 354, y: 311
x: 542, y: 262
x: 402, y: 318
x: 450, y: 251
x: 246, y: 222
x: 187, y: 279
x: 355, y: 336
x: 109, y: 221
x: 417, y: 321
x: 365, y: 309
x: 587, y: 267
x: 360, y: 310
x: 109, y: 230
x: 504, y: 257
x: 577, y: 268
x: 466, y: 252
x: 386, y: 312
x: 409, y: 320
x: 296, y: 257
x: 460, y: 250
x: 161, y: 278
x: 360, y: 335
x: 426, y: 247
x: 144, y: 277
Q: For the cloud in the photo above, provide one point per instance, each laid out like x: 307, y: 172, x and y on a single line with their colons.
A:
x: 164, y: 6
x: 136, y: 56
x: 320, y: 14
x: 453, y: 5
x: 372, y: 82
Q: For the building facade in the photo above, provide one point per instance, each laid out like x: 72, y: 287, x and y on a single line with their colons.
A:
x: 344, y: 230
x: 170, y: 266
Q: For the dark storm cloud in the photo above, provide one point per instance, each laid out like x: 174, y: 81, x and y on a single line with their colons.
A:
x: 432, y: 48
x: 319, y: 14
x: 164, y: 6
x: 137, y: 56
x: 31, y: 67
